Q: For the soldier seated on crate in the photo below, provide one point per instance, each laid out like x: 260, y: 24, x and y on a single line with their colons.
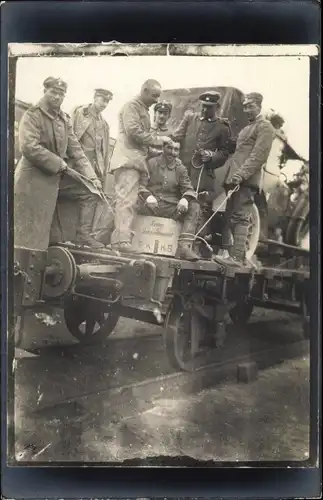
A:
x: 168, y: 192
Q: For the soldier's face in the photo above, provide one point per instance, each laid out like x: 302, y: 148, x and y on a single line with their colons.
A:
x: 171, y: 150
x: 162, y: 117
x: 100, y: 102
x: 151, y: 95
x: 251, y: 109
x: 54, y: 98
x: 207, y: 111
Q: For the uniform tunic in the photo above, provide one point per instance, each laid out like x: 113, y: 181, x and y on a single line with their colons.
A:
x: 93, y: 133
x: 45, y: 141
x: 134, y: 138
x: 252, y: 150
x: 169, y: 183
x: 194, y: 133
x: 129, y: 162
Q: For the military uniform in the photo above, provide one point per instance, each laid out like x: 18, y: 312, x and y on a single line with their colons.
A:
x: 160, y: 130
x: 93, y: 133
x: 46, y: 141
x: 245, y: 167
x: 169, y: 183
x: 128, y: 163
x: 212, y: 134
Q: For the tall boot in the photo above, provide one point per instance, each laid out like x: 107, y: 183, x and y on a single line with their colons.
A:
x: 83, y: 234
x: 240, y: 238
x: 184, y: 249
x: 237, y: 253
x: 185, y: 242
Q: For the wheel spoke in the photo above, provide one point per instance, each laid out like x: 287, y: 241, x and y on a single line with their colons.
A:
x: 90, y: 326
x: 87, y: 322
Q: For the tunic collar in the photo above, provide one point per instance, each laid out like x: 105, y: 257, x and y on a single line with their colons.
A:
x: 214, y: 119
x: 169, y: 166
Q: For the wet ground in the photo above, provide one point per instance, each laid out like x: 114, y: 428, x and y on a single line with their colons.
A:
x: 267, y: 419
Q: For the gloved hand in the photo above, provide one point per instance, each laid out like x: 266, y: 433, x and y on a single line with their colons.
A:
x: 236, y: 179
x: 97, y: 183
x: 182, y: 206
x: 152, y: 202
x: 206, y: 155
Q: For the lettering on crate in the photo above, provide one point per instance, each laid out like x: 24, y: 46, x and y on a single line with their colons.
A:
x: 158, y: 233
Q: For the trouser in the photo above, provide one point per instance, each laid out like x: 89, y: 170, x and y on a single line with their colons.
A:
x: 237, y: 219
x: 126, y: 186
x: 168, y: 210
x: 75, y: 191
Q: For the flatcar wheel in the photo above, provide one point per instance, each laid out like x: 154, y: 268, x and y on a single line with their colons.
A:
x: 87, y: 322
x: 182, y: 331
x: 240, y: 313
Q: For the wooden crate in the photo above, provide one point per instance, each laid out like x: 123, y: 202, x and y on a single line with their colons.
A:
x: 155, y: 235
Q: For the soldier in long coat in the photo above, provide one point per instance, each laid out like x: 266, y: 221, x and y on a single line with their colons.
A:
x: 129, y: 159
x: 47, y: 143
x: 93, y: 133
x: 245, y: 169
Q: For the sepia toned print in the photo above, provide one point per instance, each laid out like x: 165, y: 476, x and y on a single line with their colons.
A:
x: 161, y: 255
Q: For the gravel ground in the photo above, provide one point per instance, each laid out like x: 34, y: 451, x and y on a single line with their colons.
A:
x: 267, y: 419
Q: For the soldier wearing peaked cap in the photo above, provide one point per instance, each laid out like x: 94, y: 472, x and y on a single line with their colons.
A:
x: 106, y: 94
x: 93, y: 133
x: 162, y: 112
x: 204, y: 138
x: 245, y: 169
x: 55, y: 83
x: 47, y: 143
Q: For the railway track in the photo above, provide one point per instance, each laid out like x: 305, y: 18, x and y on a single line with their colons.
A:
x: 89, y: 387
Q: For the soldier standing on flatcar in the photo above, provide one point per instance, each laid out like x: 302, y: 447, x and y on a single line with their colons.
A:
x: 47, y: 142
x: 162, y: 112
x: 205, y: 139
x: 93, y: 133
x: 245, y: 169
x: 129, y: 159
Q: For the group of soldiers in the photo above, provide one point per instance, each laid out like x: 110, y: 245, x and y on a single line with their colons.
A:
x: 153, y: 168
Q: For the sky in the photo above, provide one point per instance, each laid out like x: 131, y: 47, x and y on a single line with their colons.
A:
x: 283, y: 81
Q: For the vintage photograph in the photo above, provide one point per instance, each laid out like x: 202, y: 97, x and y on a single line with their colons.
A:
x: 161, y: 222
